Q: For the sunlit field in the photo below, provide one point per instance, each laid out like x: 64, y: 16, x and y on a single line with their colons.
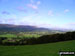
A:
x: 21, y: 36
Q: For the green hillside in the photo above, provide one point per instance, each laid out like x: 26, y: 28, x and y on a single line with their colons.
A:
x: 50, y: 49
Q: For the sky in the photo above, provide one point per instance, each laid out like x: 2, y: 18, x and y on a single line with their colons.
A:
x: 57, y: 14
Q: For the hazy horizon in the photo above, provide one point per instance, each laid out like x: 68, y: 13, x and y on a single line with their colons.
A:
x: 58, y: 14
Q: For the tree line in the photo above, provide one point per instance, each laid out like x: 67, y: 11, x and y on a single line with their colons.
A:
x: 40, y: 40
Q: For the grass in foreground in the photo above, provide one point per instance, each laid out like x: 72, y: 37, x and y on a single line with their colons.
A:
x: 50, y: 49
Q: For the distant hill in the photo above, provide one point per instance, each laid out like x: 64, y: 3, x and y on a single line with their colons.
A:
x: 25, y: 28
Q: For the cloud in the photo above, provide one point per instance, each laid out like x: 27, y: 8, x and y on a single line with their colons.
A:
x: 22, y: 9
x: 38, y: 3
x: 45, y: 25
x: 29, y: 20
x: 12, y: 19
x: 69, y: 26
x: 32, y: 6
x: 50, y: 13
x: 66, y: 10
x: 51, y: 26
x: 9, y: 21
x: 5, y: 12
x: 0, y: 21
x: 26, y: 20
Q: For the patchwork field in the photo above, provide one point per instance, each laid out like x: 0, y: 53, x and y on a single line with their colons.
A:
x: 50, y: 49
x: 20, y: 35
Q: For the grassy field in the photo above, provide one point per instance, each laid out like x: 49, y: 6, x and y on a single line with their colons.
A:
x: 50, y: 49
x: 8, y: 35
x: 23, y: 35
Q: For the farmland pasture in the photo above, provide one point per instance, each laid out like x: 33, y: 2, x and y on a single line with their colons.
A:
x: 22, y: 35
x: 50, y: 49
x: 8, y: 35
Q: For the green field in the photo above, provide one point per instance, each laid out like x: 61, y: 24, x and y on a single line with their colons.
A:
x: 8, y: 35
x: 20, y: 35
x: 50, y: 49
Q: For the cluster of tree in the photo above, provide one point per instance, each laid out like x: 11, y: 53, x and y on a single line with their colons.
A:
x: 41, y: 40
